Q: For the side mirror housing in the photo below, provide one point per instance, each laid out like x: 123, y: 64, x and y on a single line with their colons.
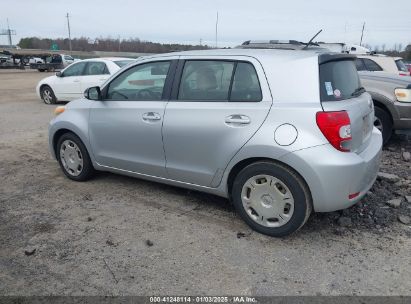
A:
x: 93, y: 93
x: 59, y: 74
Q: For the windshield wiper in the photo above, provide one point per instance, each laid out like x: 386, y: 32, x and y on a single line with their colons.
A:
x: 358, y: 91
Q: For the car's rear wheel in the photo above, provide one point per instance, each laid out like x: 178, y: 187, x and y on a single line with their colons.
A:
x: 383, y: 123
x: 73, y: 158
x: 271, y: 198
x: 47, y: 95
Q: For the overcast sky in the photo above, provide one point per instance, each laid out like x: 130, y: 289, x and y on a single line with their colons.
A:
x: 188, y: 21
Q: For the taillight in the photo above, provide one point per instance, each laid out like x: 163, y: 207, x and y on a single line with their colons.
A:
x: 336, y: 127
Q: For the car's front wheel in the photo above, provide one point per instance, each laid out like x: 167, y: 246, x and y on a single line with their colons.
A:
x: 47, y: 95
x: 271, y: 198
x: 73, y: 158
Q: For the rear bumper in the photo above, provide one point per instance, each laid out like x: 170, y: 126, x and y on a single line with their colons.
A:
x: 333, y: 175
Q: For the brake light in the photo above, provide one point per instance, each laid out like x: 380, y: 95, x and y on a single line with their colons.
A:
x: 336, y: 127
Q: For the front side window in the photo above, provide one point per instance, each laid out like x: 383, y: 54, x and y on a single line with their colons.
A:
x: 339, y: 80
x: 141, y: 82
x: 371, y: 65
x: 96, y: 68
x: 75, y: 69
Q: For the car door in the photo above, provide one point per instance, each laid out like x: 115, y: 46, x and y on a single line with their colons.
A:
x: 95, y: 74
x: 216, y: 107
x: 125, y: 127
x: 67, y: 85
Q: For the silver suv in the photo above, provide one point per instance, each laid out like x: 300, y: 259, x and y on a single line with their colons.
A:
x: 237, y: 123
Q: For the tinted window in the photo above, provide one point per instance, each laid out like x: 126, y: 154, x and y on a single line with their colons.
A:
x: 206, y: 80
x: 359, y: 64
x: 122, y: 63
x: 96, y: 68
x: 246, y: 86
x: 401, y: 66
x: 75, y: 69
x: 142, y: 82
x: 338, y: 80
x: 371, y: 65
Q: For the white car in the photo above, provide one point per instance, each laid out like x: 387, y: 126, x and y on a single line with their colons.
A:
x: 70, y: 83
x: 381, y: 64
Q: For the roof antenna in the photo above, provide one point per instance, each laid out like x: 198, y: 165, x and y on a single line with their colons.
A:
x: 311, y: 40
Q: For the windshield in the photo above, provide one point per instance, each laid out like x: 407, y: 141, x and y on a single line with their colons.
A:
x: 339, y: 80
x: 401, y: 66
x: 122, y: 63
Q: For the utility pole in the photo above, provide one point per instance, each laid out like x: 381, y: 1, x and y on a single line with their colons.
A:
x: 362, y: 33
x: 216, y: 31
x: 69, y: 32
x: 8, y: 32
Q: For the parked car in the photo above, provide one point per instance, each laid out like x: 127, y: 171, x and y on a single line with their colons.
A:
x: 391, y: 95
x: 71, y: 82
x: 381, y: 63
x: 236, y: 123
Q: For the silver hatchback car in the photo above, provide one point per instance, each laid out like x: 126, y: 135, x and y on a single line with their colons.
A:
x: 237, y: 123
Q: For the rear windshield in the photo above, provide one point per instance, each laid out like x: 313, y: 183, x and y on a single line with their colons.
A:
x: 122, y: 63
x: 339, y: 80
x: 401, y: 65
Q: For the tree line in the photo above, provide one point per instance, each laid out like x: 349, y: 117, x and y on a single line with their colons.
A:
x: 106, y: 44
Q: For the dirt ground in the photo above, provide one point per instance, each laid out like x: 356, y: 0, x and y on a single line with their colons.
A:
x: 116, y: 235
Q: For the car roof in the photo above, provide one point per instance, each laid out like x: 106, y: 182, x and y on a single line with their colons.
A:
x: 108, y: 59
x: 251, y: 52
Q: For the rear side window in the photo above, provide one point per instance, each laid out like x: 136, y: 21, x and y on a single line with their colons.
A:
x: 401, y: 66
x: 210, y: 80
x: 338, y: 80
x: 96, y: 68
x: 206, y: 80
x: 359, y: 64
x: 371, y: 65
x: 246, y: 86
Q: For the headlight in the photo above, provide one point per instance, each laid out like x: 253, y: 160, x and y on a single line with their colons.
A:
x: 59, y: 110
x: 403, y: 95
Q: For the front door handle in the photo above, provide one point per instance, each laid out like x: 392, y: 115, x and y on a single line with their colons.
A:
x: 151, y: 116
x: 237, y: 119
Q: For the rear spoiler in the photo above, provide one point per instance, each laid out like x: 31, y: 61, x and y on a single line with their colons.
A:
x: 323, y: 58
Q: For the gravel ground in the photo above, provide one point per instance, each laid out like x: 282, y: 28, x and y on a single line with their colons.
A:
x: 117, y: 235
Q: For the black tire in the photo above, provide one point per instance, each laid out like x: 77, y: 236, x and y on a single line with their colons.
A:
x: 87, y: 170
x: 295, y: 184
x: 384, y: 123
x: 41, y: 70
x: 47, y: 95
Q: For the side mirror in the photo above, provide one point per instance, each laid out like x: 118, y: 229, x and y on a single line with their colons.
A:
x: 93, y: 93
x: 59, y: 74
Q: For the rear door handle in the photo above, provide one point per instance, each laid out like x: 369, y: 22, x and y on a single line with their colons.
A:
x: 238, y: 119
x: 151, y: 116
